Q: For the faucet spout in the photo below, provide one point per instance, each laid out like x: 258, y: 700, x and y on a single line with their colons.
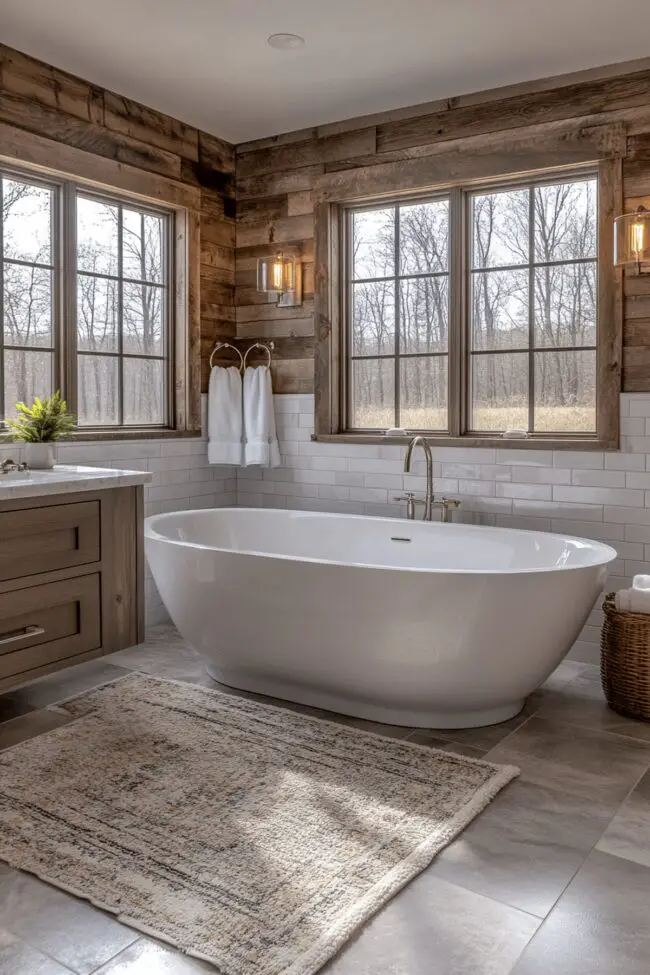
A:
x: 419, y: 441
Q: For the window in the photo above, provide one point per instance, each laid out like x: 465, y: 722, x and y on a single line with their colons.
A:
x: 29, y: 271
x: 87, y: 299
x: 533, y: 296
x: 122, y: 302
x: 399, y: 320
x: 474, y: 311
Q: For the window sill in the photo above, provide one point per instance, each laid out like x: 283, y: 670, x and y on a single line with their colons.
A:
x: 84, y: 436
x: 530, y: 443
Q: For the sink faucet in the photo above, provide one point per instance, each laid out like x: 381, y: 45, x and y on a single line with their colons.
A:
x: 429, y: 502
x: 11, y: 467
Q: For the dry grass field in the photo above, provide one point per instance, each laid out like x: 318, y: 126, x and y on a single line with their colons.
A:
x: 486, y: 419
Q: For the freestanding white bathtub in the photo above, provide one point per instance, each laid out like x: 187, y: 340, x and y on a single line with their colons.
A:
x: 411, y: 623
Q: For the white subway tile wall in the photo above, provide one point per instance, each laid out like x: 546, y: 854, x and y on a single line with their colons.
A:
x: 182, y: 479
x: 591, y: 493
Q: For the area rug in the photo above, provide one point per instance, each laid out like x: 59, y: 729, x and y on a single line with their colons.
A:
x: 247, y: 835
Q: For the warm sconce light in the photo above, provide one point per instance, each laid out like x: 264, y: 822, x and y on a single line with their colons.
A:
x: 281, y: 275
x: 632, y: 240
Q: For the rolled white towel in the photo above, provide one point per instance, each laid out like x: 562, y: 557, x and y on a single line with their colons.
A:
x: 641, y: 582
x: 633, y: 600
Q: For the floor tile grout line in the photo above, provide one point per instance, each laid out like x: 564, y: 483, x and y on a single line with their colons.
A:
x: 42, y: 952
x: 493, y: 900
x: 593, y: 728
x: 509, y: 735
x: 122, y: 951
x: 620, y: 806
x: 575, y: 873
x: 525, y: 947
x: 548, y: 915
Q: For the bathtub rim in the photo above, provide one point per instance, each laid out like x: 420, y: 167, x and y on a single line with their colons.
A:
x: 609, y: 554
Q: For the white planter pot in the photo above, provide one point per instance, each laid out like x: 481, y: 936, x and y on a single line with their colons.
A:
x: 40, y: 456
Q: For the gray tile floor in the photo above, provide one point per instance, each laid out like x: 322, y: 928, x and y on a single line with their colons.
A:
x: 553, y: 877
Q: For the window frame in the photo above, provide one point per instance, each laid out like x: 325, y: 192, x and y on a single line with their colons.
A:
x: 128, y: 187
x: 333, y: 203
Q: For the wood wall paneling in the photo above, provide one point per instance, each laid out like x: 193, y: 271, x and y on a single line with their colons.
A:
x: 280, y: 180
x: 586, y: 98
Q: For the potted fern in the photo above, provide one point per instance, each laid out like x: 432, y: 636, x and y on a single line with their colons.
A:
x: 39, y: 426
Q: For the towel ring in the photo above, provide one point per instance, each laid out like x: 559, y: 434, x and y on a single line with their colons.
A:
x: 227, y: 345
x: 259, y: 345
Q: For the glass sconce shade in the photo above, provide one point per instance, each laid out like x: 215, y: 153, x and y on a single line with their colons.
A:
x: 276, y: 273
x: 632, y: 237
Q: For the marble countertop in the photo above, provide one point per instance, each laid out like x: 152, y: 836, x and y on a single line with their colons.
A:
x: 66, y: 479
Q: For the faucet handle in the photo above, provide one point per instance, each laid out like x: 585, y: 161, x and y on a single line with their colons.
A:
x: 411, y: 501
x: 447, y: 505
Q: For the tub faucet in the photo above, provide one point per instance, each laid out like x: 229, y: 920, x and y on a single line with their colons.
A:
x: 428, y: 500
x: 446, y: 504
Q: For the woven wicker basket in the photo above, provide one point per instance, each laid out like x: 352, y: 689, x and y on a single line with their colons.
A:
x: 625, y: 661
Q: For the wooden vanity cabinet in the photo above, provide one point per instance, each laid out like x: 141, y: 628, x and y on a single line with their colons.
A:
x: 71, y: 579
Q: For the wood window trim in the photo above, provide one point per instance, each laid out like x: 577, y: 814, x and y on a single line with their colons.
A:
x: 46, y: 158
x: 558, y: 148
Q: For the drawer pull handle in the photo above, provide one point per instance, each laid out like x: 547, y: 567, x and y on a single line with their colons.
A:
x: 24, y: 633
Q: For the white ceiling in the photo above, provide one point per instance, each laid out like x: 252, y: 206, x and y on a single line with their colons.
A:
x: 207, y: 61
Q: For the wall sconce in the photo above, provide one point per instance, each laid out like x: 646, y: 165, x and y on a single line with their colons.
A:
x: 280, y: 275
x: 632, y: 241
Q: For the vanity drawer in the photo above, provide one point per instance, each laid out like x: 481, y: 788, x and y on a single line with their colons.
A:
x: 46, y: 538
x: 44, y: 624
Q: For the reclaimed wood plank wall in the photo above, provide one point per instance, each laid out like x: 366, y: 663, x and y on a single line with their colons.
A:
x: 40, y: 99
x: 275, y: 178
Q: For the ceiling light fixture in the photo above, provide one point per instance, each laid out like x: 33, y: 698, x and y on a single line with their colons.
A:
x: 285, y: 42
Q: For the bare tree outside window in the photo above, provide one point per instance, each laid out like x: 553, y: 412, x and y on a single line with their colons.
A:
x: 533, y: 286
x: 399, y: 297
x: 528, y: 284
x: 27, y: 269
x: 122, y: 301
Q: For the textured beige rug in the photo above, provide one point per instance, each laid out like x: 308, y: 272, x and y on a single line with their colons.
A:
x: 247, y: 835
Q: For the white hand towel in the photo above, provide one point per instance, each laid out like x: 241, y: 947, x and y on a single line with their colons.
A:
x: 261, y: 441
x: 225, y: 416
x: 633, y: 600
x: 641, y: 582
